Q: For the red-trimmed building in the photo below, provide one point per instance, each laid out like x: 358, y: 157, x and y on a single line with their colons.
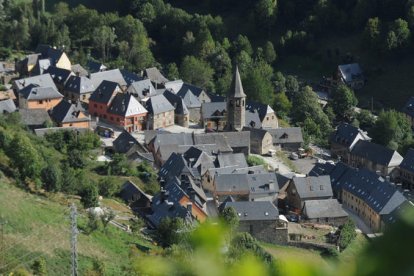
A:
x: 109, y: 103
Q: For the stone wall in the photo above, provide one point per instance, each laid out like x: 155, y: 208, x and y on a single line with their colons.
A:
x: 270, y: 231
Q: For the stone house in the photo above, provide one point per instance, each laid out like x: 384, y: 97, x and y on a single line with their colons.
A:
x: 66, y: 114
x: 193, y: 97
x: 160, y: 112
x: 181, y: 112
x: 374, y: 157
x: 290, y: 139
x: 34, y: 118
x: 78, y: 89
x: 351, y: 75
x: 44, y: 80
x: 60, y: 76
x: 261, y: 141
x: 406, y: 170
x: 114, y: 75
x: 344, y: 138
x: 34, y: 96
x: 261, y: 220
x: 302, y: 189
x: 101, y: 98
x: 26, y: 65
x: 57, y: 57
x: 157, y: 79
x: 214, y: 115
x: 267, y: 115
x: 325, y: 211
x: 7, y: 106
x: 142, y: 90
x: 79, y: 71
x: 137, y: 199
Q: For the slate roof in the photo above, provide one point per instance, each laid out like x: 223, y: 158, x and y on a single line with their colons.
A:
x: 158, y: 104
x: 110, y: 75
x: 254, y: 210
x: 313, y: 187
x: 124, y: 142
x: 126, y: 105
x: 41, y: 66
x: 325, y: 208
x: 79, y: 85
x: 408, y: 162
x: 397, y: 212
x: 155, y: 75
x: 33, y: 117
x: 130, y: 188
x: 213, y: 110
x: 130, y: 77
x: 44, y: 80
x: 174, y: 85
x: 350, y: 72
x: 236, y: 87
x: 216, y: 139
x: 186, y: 87
x: 236, y: 139
x: 35, y: 92
x: 172, y: 139
x: 59, y: 75
x: 104, y: 92
x: 346, y: 134
x: 189, y: 98
x: 252, y: 119
x: 231, y: 183
x: 137, y: 88
x: 95, y: 67
x: 377, y: 153
x: 255, y: 133
x: 322, y: 169
x: 237, y: 170
x: 286, y: 135
x: 173, y: 167
x: 217, y: 98
x: 261, y: 109
x: 7, y: 106
x: 232, y: 159
x: 49, y: 52
x: 409, y: 107
x: 65, y: 112
x: 264, y: 183
x: 177, y: 102
x: 78, y: 70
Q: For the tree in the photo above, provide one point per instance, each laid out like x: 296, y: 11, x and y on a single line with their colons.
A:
x: 76, y: 159
x: 120, y: 165
x: 242, y: 43
x: 282, y: 105
x: 292, y: 86
x: 103, y: 39
x: 25, y: 157
x: 69, y: 180
x: 372, y: 32
x: 344, y: 102
x: 230, y: 217
x: 269, y: 52
x: 107, y: 217
x: 52, y: 177
x: 196, y: 72
x: 347, y: 234
x: 89, y: 196
x: 366, y: 119
x: 172, y: 71
x: 171, y: 231
x: 257, y: 83
x: 39, y: 267
x: 108, y: 187
x: 399, y: 35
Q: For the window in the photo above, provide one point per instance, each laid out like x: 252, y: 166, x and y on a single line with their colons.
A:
x: 238, y: 103
x: 104, y: 116
x: 95, y: 105
x: 112, y: 118
x: 267, y: 118
x: 321, y: 187
x: 117, y: 119
x: 40, y: 102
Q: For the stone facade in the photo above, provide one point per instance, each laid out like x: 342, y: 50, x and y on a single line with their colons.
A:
x: 161, y: 120
x: 38, y: 104
x: 236, y: 112
x: 182, y: 120
x: 260, y: 145
x: 195, y: 114
x: 270, y: 121
x: 271, y: 231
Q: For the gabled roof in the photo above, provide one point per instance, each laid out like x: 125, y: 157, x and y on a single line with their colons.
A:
x: 41, y: 66
x: 408, y: 162
x: 44, y: 80
x: 322, y: 169
x: 409, y: 107
x: 190, y: 99
x: 237, y: 170
x: 124, y: 142
x: 252, y: 119
x: 346, y: 134
x: 216, y: 139
x: 130, y: 77
x: 172, y: 139
x: 79, y: 85
x: 158, y: 104
x: 255, y: 133
x: 59, y: 75
x: 173, y: 167
x: 65, y: 112
x: 94, y: 66
x: 142, y: 89
x: 313, y: 186
x: 236, y: 139
x: 261, y: 109
x: 264, y: 183
x: 377, y: 153
x: 177, y: 102
x: 104, y: 92
x: 174, y: 85
x: 126, y: 105
x: 350, y: 72
x: 236, y: 88
x: 232, y: 159
x: 217, y: 98
x: 130, y: 188
x: 35, y: 92
x: 286, y: 135
x: 110, y: 75
x: 49, y: 52
x: 213, y: 110
x: 324, y: 208
x: 78, y: 70
x: 155, y: 75
x: 33, y: 117
x: 254, y: 210
x: 7, y: 106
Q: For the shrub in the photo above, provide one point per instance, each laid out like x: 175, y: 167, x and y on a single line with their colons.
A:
x: 347, y: 234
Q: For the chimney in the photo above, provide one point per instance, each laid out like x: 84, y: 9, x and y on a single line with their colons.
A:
x: 190, y: 207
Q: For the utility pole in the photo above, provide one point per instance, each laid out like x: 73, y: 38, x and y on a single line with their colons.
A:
x: 74, y: 239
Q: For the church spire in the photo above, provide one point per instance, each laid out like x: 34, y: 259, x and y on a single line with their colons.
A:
x: 236, y: 88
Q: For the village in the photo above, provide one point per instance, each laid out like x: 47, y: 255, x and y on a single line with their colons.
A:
x: 212, y: 152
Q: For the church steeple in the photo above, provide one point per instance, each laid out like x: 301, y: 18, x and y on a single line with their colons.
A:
x: 236, y: 104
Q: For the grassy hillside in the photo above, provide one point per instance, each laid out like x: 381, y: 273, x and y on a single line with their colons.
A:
x: 39, y: 227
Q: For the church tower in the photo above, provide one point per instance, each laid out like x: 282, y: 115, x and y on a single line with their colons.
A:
x: 236, y: 104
